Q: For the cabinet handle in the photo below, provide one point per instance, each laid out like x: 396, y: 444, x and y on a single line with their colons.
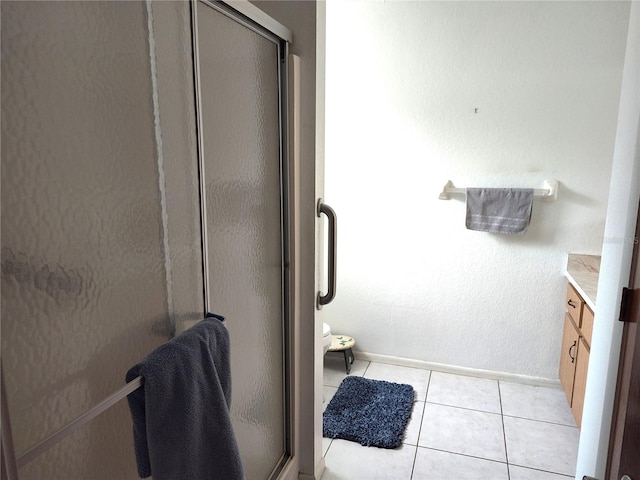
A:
x: 571, y: 304
x: 575, y: 344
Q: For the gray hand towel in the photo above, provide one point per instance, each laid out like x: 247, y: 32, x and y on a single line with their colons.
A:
x: 499, y: 210
x: 181, y: 423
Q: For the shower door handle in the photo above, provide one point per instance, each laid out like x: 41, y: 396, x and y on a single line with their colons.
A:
x: 331, y: 267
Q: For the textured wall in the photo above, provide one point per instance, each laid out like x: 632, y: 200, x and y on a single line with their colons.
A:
x: 402, y: 94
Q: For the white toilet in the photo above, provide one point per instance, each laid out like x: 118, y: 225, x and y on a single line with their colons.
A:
x: 326, y: 338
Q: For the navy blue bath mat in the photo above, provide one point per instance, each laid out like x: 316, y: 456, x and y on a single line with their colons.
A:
x: 370, y: 412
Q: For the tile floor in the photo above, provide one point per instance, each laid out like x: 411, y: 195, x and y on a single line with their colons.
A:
x: 461, y: 428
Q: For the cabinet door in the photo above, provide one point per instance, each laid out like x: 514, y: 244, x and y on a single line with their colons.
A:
x: 567, y: 371
x: 574, y: 304
x: 587, y: 324
x: 580, y: 382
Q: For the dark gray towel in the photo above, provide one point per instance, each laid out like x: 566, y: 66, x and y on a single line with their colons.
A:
x: 181, y: 423
x: 499, y: 210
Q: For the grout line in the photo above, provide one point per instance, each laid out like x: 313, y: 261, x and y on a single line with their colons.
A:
x: 543, y: 471
x: 465, y: 455
x: 464, y: 408
x: 504, y: 433
x: 366, y: 368
x: 415, y: 455
x: 542, y: 421
x: 328, y: 448
x: 424, y: 408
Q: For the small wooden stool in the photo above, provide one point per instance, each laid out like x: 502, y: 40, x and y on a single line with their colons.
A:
x: 343, y: 343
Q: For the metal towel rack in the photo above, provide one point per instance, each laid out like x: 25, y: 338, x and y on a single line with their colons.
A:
x: 78, y: 422
x: 13, y: 462
x: 549, y: 191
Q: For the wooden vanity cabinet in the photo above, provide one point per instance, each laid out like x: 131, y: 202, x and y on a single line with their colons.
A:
x: 580, y: 381
x: 567, y: 373
x: 574, y: 358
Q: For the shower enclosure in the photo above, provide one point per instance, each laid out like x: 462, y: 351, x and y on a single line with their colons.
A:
x: 143, y: 184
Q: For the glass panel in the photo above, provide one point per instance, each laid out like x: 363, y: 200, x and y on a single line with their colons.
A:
x: 239, y: 76
x: 101, y: 449
x: 90, y: 264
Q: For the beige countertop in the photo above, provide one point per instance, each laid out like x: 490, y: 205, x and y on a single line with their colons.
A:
x: 582, y: 272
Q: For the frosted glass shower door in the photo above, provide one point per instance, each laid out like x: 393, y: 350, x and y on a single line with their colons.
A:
x: 239, y: 85
x: 90, y: 236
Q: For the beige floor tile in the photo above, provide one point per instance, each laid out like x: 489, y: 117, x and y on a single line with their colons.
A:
x: 543, y: 446
x: 466, y: 441
x: 437, y: 465
x: 413, y: 427
x: 416, y: 377
x: 335, y: 372
x: 466, y: 392
x: 350, y: 461
x: 467, y: 432
x: 521, y: 473
x: 547, y: 404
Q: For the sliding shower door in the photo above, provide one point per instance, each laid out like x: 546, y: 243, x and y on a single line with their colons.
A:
x: 100, y: 219
x: 241, y: 156
x: 142, y: 167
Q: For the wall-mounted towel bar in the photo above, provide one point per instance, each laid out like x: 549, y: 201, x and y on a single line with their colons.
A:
x: 549, y: 191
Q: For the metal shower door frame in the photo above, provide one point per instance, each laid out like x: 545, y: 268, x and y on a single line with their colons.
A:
x: 248, y: 15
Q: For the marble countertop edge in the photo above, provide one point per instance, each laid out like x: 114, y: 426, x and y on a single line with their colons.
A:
x: 582, y: 272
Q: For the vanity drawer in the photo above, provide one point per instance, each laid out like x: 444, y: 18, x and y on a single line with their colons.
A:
x: 587, y: 324
x: 573, y: 303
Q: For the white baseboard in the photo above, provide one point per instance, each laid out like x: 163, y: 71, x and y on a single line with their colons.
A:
x: 471, y: 372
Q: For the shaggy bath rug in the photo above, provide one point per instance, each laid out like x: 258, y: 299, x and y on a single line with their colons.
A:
x: 370, y: 412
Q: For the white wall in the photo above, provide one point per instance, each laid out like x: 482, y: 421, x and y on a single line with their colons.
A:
x: 403, y: 82
x: 615, y: 268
